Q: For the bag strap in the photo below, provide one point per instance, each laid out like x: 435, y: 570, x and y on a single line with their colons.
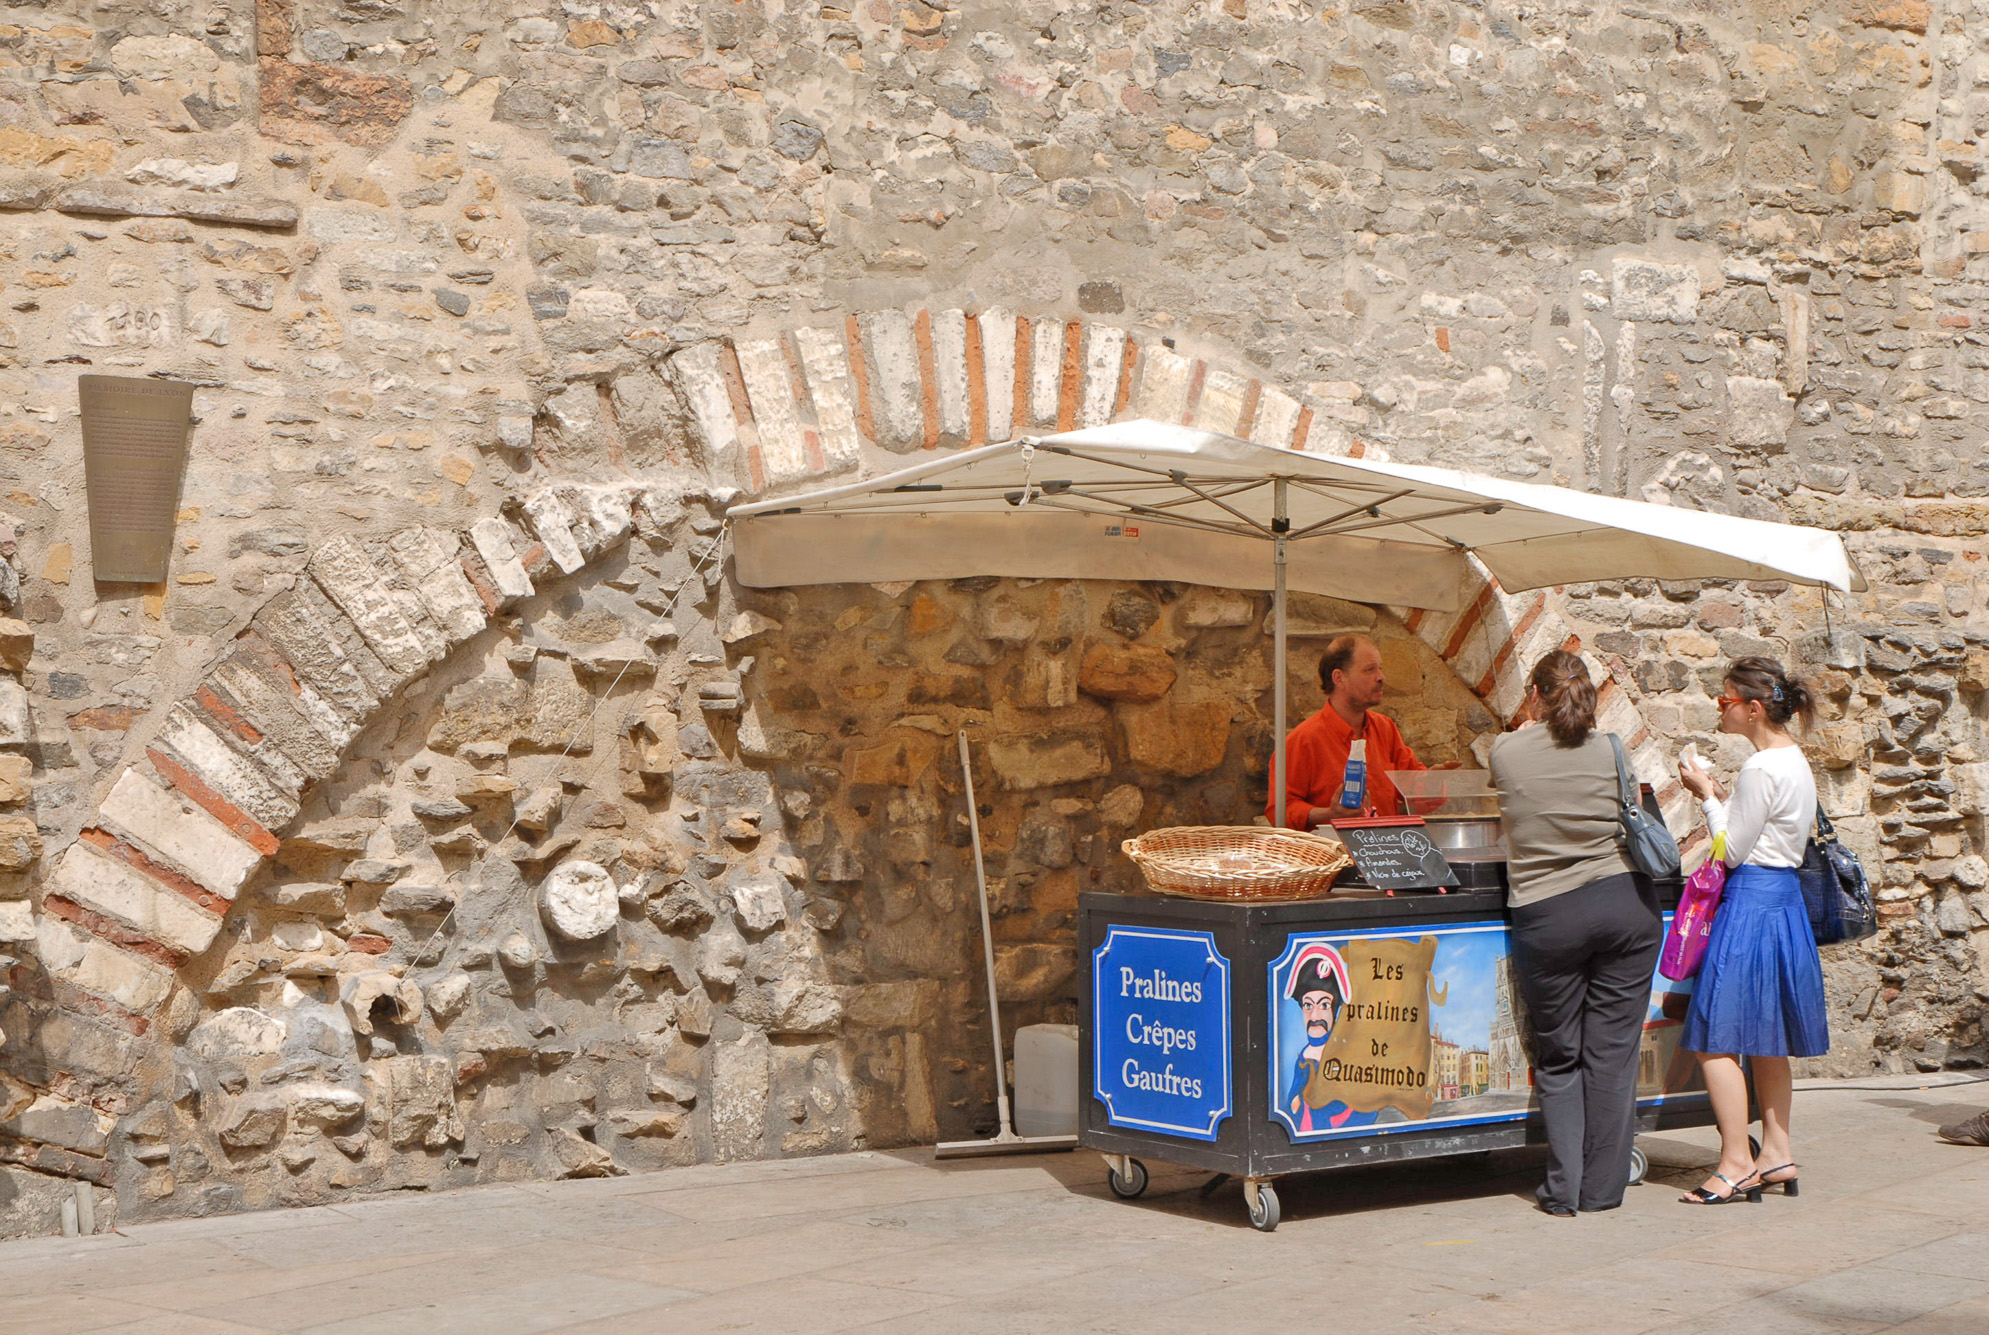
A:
x: 1823, y: 825
x: 1626, y: 787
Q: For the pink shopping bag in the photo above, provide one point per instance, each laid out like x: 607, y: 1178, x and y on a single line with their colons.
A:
x: 1692, y: 922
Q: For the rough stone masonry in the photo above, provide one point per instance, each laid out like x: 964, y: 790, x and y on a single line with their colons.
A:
x: 451, y: 815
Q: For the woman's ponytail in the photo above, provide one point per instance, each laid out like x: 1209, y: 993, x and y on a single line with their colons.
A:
x: 1567, y: 697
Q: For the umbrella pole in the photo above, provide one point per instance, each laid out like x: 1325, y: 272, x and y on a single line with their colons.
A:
x: 1280, y: 525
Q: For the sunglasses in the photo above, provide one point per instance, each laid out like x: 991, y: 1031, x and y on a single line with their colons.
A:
x: 1725, y: 701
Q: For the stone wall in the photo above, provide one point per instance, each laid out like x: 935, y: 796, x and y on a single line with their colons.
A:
x: 491, y: 313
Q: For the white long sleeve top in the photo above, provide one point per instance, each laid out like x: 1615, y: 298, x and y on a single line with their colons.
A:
x: 1771, y: 811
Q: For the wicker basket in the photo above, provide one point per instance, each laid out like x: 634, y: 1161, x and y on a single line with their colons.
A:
x: 1250, y: 862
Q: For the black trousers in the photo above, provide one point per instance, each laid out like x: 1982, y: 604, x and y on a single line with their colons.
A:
x: 1585, y: 962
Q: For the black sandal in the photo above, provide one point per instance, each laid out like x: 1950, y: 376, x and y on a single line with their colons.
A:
x: 1701, y: 1196
x: 1787, y: 1184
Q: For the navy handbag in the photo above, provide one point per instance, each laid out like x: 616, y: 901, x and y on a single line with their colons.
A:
x: 1835, y: 891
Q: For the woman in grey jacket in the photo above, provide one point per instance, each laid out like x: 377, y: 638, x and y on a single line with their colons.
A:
x: 1585, y: 933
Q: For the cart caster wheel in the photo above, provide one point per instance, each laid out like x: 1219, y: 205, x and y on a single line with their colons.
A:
x: 1131, y: 1186
x: 1264, y: 1209
x: 1640, y: 1164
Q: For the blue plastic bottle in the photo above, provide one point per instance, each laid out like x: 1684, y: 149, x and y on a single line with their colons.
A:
x: 1353, y: 790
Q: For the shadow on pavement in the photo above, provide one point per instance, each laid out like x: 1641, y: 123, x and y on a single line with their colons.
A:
x: 1938, y: 1114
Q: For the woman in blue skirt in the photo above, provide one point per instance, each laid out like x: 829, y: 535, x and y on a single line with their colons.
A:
x: 1759, y: 994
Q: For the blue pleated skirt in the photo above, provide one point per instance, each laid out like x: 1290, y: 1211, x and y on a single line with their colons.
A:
x: 1760, y: 991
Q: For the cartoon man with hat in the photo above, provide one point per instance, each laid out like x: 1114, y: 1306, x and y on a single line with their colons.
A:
x: 1319, y: 986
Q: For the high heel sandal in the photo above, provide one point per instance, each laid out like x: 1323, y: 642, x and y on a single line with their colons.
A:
x: 1787, y: 1184
x: 1741, y: 1191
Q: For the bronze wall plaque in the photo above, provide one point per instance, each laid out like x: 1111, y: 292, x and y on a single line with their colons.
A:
x: 134, y: 455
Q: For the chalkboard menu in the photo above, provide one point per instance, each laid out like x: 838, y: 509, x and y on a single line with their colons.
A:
x: 1396, y: 856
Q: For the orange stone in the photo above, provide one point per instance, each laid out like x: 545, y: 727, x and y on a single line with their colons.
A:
x: 1126, y: 672
x: 927, y: 616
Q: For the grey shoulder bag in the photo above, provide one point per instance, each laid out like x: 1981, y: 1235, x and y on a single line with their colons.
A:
x: 1650, y: 847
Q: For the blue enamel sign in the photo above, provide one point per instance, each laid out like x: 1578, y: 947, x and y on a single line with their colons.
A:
x: 1160, y: 1025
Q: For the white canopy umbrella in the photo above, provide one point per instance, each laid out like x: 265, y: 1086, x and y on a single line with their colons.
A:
x: 1152, y: 501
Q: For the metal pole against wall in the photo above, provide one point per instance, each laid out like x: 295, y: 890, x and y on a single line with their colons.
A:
x: 1280, y: 524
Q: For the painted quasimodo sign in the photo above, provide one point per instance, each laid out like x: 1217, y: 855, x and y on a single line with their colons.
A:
x: 1422, y: 1027
x: 1160, y: 1009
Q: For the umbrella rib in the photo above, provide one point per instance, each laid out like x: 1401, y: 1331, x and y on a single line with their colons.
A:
x: 1350, y: 512
x: 1165, y: 475
x: 1146, y: 512
x: 1413, y: 521
x: 1236, y: 490
x: 1181, y: 480
x: 1336, y: 490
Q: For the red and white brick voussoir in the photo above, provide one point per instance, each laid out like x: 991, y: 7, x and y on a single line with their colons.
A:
x: 790, y: 406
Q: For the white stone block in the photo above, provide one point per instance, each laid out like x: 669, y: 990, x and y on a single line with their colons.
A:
x: 238, y: 779
x: 190, y: 175
x: 1508, y: 693
x: 134, y: 983
x: 1641, y: 290
x: 1760, y: 412
x: 17, y: 920
x: 1104, y: 365
x: 332, y: 724
x: 237, y: 1033
x: 949, y: 361
x: 59, y: 944
x: 1221, y: 405
x: 897, y: 396
x: 1474, y: 657
x: 1163, y: 391
x: 16, y: 728
x: 552, y: 520
x: 355, y: 224
x: 1046, y: 373
x: 602, y: 516
x: 998, y: 372
x: 130, y: 897
x: 759, y: 904
x: 300, y: 629
x: 429, y: 558
x: 739, y: 1097
x: 1277, y: 418
x: 701, y: 380
x: 825, y: 366
x: 179, y: 833
x: 1616, y: 712
x: 492, y: 539
x: 579, y: 900
x: 274, y: 712
x: 776, y: 417
x: 351, y: 580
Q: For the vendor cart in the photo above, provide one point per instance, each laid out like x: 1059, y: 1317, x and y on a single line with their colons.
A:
x: 1257, y: 1039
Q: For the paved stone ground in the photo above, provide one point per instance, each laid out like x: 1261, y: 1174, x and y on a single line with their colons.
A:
x: 1891, y: 1233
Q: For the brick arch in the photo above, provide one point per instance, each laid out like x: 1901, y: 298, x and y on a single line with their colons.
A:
x: 147, y: 884
x: 796, y: 405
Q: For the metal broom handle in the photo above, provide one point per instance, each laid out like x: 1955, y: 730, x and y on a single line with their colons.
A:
x: 987, y: 931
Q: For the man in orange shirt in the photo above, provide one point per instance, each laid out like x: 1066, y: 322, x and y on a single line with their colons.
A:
x: 1316, y: 752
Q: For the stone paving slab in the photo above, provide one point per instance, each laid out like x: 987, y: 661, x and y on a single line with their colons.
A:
x: 1891, y: 1234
